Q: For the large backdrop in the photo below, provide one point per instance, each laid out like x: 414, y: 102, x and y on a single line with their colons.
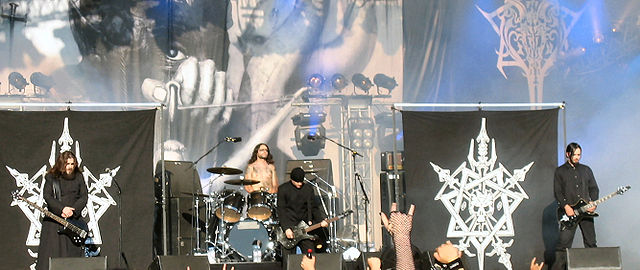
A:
x: 115, y: 150
x: 584, y: 52
x: 483, y: 180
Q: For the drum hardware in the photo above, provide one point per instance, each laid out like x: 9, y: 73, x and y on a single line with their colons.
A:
x: 224, y: 170
x: 241, y: 182
x: 329, y: 206
x: 228, y: 237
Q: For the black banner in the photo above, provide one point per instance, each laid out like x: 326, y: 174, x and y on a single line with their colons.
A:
x: 484, y: 181
x: 113, y: 148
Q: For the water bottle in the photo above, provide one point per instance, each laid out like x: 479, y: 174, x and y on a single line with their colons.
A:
x: 257, y: 253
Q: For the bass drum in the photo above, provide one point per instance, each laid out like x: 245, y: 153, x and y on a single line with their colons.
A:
x: 233, y: 204
x: 244, y: 234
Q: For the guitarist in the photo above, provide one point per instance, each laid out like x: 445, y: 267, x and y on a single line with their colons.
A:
x: 66, y: 195
x: 296, y: 202
x: 574, y: 181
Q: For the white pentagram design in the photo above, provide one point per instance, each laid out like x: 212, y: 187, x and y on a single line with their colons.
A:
x: 30, y: 188
x: 481, y: 199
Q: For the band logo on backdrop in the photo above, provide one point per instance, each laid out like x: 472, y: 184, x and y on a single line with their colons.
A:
x: 481, y: 198
x: 30, y: 188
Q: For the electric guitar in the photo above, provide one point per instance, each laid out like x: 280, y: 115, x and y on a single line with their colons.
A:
x: 580, y: 209
x: 301, y: 231
x: 75, y: 229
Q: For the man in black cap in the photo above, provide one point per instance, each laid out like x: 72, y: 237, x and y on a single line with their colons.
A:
x: 296, y: 202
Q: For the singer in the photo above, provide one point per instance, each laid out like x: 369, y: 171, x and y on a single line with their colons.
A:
x: 261, y: 168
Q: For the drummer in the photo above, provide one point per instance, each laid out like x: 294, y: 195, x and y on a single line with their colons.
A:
x: 261, y: 168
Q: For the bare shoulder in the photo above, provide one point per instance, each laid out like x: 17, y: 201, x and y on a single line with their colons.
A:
x: 272, y: 167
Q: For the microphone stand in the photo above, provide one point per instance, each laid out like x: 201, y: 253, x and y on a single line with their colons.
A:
x: 356, y: 177
x: 333, y: 194
x: 196, y: 220
x: 205, y: 154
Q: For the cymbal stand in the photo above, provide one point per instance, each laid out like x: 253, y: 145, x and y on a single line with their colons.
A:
x: 222, y: 230
x: 333, y: 230
x: 208, y: 212
x: 196, y: 207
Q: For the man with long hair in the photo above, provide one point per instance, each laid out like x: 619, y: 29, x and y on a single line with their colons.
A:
x: 66, y: 195
x: 261, y: 168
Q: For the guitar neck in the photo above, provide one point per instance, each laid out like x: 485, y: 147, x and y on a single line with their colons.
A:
x: 54, y: 217
x: 598, y: 201
x: 317, y: 225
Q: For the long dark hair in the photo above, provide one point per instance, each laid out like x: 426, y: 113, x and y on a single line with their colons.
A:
x: 254, y: 155
x: 58, y: 168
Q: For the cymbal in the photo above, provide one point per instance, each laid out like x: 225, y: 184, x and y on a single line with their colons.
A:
x: 224, y: 170
x: 244, y: 182
x: 199, y: 194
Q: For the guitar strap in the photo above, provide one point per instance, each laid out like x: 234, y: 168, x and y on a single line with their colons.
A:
x: 56, y: 188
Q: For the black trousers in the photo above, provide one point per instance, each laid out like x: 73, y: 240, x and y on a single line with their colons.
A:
x: 565, y: 239
x: 304, y: 246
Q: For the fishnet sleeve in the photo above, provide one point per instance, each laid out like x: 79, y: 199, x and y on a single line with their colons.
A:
x: 401, y: 225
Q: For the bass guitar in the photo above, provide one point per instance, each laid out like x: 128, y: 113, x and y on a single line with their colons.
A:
x: 580, y: 209
x: 76, y: 230
x: 301, y: 231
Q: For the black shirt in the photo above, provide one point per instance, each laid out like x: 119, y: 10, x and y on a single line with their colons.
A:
x: 295, y: 205
x: 571, y: 184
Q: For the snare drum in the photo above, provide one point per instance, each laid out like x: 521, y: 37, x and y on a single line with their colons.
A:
x: 259, y: 205
x: 232, y: 205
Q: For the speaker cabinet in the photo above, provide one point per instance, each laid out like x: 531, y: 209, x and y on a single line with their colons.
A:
x: 183, y: 220
x: 327, y: 261
x: 91, y: 263
x: 182, y: 178
x: 182, y: 181
x: 601, y: 258
x: 179, y: 262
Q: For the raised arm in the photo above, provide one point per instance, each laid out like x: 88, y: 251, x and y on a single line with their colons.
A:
x: 399, y: 226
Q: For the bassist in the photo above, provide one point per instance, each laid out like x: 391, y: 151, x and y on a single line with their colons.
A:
x: 66, y: 195
x: 296, y: 202
x: 573, y: 182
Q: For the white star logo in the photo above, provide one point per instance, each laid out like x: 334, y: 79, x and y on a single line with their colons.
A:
x: 481, y: 200
x: 31, y: 188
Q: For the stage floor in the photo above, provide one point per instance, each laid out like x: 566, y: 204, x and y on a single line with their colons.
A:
x: 271, y: 266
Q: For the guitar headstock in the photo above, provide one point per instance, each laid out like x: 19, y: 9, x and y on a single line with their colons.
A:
x: 346, y: 213
x: 15, y: 195
x: 623, y: 189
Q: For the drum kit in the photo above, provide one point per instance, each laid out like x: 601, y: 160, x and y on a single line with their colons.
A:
x: 236, y: 225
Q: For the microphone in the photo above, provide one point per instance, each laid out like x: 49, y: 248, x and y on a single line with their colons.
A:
x: 233, y: 139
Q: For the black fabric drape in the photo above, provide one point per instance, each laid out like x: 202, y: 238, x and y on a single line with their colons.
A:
x: 108, y: 141
x: 443, y: 139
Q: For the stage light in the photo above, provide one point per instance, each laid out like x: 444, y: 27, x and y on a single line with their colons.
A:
x: 309, y: 132
x: 17, y: 80
x: 361, y: 82
x: 384, y: 81
x: 338, y: 81
x: 361, y: 132
x: 42, y: 81
x: 315, y: 81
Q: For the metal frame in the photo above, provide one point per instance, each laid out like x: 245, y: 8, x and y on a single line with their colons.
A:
x: 69, y: 105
